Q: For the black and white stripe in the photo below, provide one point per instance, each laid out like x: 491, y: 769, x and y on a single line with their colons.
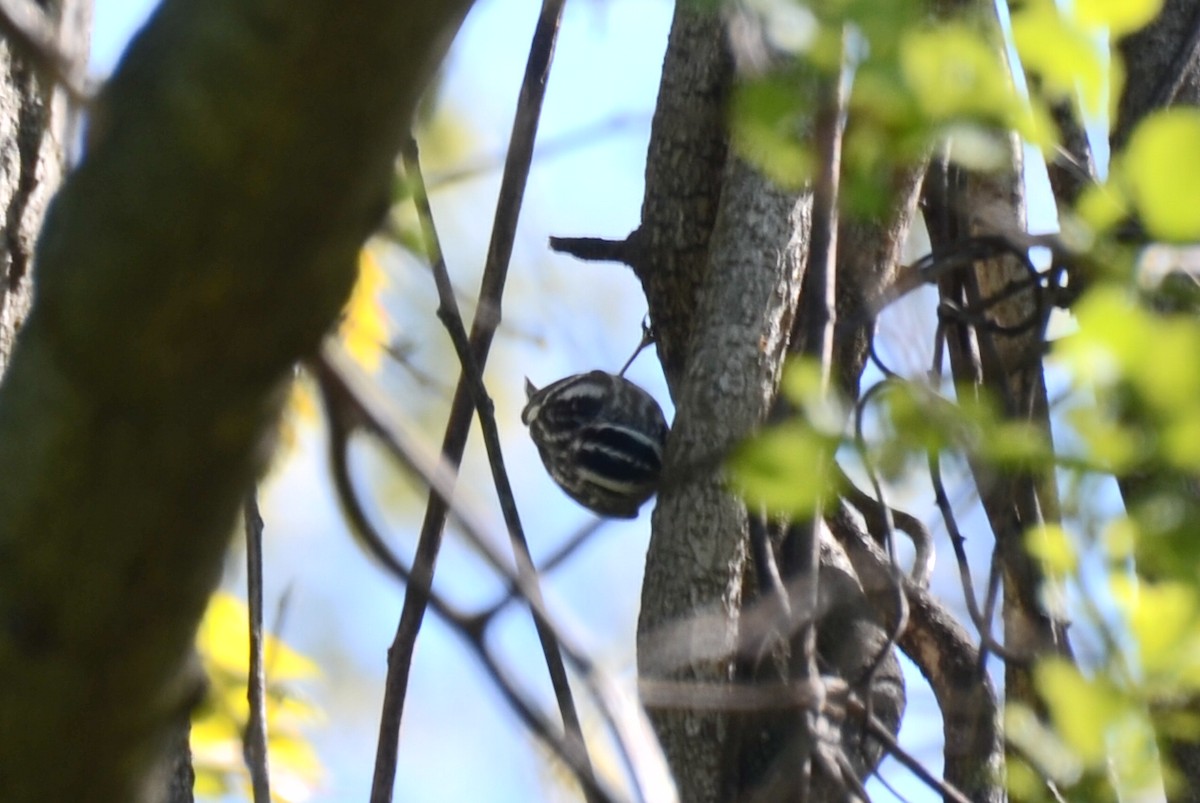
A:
x: 601, y: 438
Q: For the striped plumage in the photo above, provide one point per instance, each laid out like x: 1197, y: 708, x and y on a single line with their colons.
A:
x: 601, y: 438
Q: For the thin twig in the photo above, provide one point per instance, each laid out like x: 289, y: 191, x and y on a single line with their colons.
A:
x: 957, y: 541
x: 254, y: 740
x: 449, y: 314
x: 889, y: 544
x: 582, y: 137
x: 819, y: 318
x: 483, y: 328
x: 557, y: 557
x: 352, y: 401
x: 880, y: 732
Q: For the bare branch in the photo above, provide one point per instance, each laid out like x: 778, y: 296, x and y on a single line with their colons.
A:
x: 937, y: 644
x: 487, y: 317
x: 254, y: 740
x: 351, y: 397
x: 449, y: 314
x: 597, y: 249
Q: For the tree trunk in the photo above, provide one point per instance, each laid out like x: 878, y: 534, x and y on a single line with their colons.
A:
x: 235, y: 164
x: 721, y: 253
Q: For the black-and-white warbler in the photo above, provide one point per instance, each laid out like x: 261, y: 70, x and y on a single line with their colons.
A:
x: 601, y: 438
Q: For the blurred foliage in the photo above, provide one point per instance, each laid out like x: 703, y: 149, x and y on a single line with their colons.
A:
x: 1154, y: 179
x: 1130, y: 366
x: 365, y: 329
x: 786, y: 468
x: 217, y: 725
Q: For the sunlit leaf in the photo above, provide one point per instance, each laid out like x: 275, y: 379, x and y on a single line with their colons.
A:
x: 1054, y: 548
x: 784, y: 469
x: 1134, y: 756
x: 365, y: 327
x: 1110, y: 445
x: 1063, y: 54
x: 954, y: 71
x: 1181, y: 439
x: 224, y: 639
x: 300, y: 411
x: 1119, y: 539
x: 921, y: 419
x: 1083, y: 710
x: 1164, y: 619
x: 295, y: 769
x: 819, y: 406
x: 218, y: 724
x: 1102, y: 206
x: 210, y: 783
x: 768, y: 130
x: 1055, y: 760
x: 1015, y: 444
x: 1162, y: 168
x: 1120, y: 17
x: 1166, y: 374
x: 1112, y: 335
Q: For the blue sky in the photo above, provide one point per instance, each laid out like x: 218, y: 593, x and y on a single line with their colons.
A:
x: 459, y: 742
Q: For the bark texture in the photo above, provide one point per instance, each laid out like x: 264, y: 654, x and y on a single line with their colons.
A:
x: 1162, y: 67
x: 698, y: 553
x: 235, y: 163
x: 721, y: 253
x: 36, y: 127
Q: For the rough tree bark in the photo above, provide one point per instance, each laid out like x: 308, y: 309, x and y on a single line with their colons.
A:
x: 235, y: 163
x: 36, y: 128
x: 721, y: 254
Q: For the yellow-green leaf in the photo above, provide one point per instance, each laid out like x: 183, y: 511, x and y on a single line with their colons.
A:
x: 1163, y: 619
x: 1063, y: 54
x: 1053, y: 547
x: 784, y: 469
x: 1118, y: 16
x: 1119, y: 539
x: 1162, y: 169
x: 1025, y: 731
x: 1102, y: 206
x: 1083, y: 710
x: 954, y: 71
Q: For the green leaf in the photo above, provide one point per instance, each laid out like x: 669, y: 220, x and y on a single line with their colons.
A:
x: 954, y: 72
x: 1083, y: 710
x: 1109, y: 445
x: 768, y: 126
x: 1063, y: 54
x: 1054, y: 548
x: 1025, y: 731
x: 1119, y: 539
x: 821, y: 408
x: 784, y: 469
x: 1102, y: 206
x: 1162, y: 169
x: 1164, y: 619
x: 1015, y: 444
